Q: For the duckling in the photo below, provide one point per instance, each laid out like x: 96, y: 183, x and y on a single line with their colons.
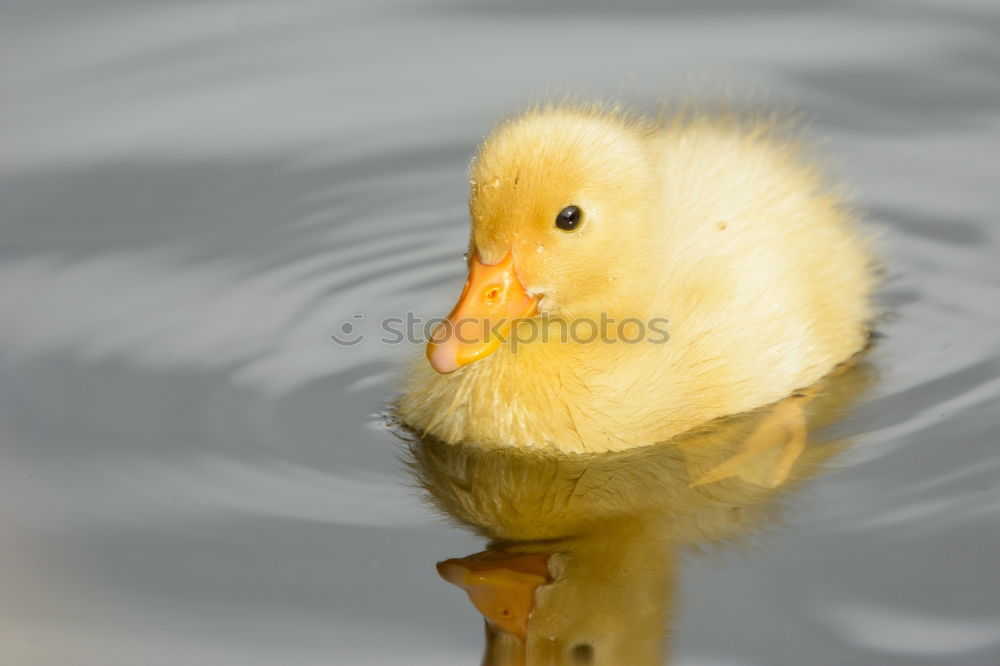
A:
x: 631, y: 280
x: 583, y: 550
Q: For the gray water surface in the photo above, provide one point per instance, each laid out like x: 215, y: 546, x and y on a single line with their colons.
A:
x: 194, y: 196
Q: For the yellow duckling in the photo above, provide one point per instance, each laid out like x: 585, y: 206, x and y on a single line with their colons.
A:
x: 658, y: 276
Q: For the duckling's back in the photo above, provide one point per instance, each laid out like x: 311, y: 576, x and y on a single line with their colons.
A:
x: 766, y: 271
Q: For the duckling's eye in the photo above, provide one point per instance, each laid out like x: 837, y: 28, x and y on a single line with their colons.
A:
x: 582, y: 654
x: 569, y: 218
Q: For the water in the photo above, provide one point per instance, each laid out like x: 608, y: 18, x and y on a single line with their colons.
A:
x: 194, y: 196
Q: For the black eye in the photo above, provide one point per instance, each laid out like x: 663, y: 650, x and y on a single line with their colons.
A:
x: 569, y: 218
x: 582, y: 654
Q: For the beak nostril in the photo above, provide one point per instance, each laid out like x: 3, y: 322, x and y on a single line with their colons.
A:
x: 493, y: 294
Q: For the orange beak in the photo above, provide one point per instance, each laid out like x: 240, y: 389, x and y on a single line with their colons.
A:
x: 500, y: 585
x: 493, y: 298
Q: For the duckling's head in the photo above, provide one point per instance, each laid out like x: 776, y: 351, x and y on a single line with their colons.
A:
x: 562, y: 221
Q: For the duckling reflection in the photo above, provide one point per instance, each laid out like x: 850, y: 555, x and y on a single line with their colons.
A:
x: 582, y: 549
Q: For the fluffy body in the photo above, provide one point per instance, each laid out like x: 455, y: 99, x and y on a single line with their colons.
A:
x: 721, y: 228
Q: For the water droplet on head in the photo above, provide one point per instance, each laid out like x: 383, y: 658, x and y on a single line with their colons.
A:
x: 465, y: 256
x: 540, y: 249
x: 496, y: 182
